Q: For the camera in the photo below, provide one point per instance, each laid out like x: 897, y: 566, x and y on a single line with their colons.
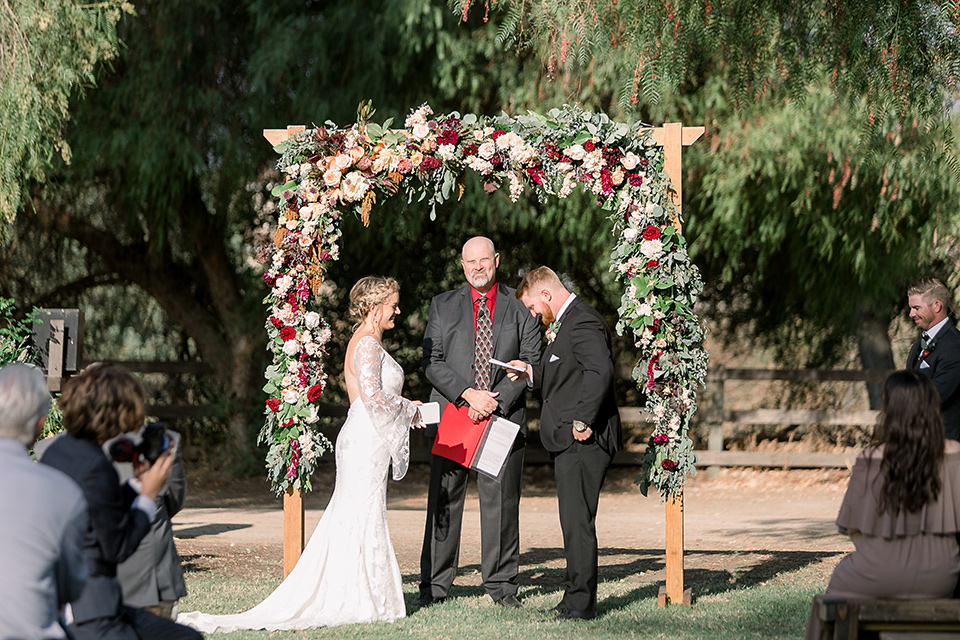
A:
x: 155, y: 441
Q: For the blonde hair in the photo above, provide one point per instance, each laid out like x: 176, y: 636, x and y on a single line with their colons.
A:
x: 930, y: 289
x: 367, y: 293
x: 536, y: 278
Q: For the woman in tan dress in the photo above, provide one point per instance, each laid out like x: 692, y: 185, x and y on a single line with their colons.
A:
x: 902, y: 506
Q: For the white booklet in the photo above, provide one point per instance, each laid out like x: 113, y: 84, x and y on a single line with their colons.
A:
x: 430, y: 413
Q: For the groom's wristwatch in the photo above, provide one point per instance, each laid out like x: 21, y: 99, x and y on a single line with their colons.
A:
x: 579, y: 426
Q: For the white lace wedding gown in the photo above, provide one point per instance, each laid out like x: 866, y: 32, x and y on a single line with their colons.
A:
x: 348, y: 571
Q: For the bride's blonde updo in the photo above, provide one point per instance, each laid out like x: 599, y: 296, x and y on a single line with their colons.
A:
x: 368, y: 293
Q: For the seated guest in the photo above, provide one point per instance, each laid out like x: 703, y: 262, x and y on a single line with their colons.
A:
x: 43, y: 513
x: 902, y: 506
x: 152, y: 578
x: 99, y: 404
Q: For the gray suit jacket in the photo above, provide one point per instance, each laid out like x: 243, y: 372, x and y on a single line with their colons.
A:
x: 154, y: 573
x: 44, y: 520
x: 449, y: 348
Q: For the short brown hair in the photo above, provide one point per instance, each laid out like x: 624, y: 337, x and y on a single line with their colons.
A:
x: 535, y: 278
x: 930, y: 289
x: 102, y: 402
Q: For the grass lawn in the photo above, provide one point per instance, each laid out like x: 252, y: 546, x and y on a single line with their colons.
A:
x: 776, y: 608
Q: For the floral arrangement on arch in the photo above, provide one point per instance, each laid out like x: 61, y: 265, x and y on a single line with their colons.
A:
x: 331, y: 171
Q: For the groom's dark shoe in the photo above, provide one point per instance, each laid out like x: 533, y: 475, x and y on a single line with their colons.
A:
x: 570, y: 614
x: 509, y: 601
x: 426, y: 599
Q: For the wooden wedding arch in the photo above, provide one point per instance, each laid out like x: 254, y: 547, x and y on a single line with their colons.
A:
x: 331, y: 169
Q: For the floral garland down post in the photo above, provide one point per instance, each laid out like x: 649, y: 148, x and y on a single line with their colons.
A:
x: 331, y: 171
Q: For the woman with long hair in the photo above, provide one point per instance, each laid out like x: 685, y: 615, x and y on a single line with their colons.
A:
x: 348, y: 572
x: 902, y: 506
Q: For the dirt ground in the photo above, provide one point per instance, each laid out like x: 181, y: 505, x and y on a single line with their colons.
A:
x: 747, y: 525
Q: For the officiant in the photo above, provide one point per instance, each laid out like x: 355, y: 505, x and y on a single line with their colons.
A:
x: 466, y: 327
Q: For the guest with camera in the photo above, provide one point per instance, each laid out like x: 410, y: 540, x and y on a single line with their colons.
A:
x: 99, y: 404
x: 152, y: 578
x: 43, y: 513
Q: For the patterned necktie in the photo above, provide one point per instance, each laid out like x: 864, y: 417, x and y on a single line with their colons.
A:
x: 924, y: 343
x: 484, y: 345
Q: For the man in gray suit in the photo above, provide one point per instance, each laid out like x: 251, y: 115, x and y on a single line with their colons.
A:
x: 467, y: 327
x: 44, y: 517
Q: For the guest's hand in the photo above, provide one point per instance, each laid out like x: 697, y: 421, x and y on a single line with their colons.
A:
x: 153, y: 476
x: 475, y: 415
x: 513, y: 374
x: 483, y: 403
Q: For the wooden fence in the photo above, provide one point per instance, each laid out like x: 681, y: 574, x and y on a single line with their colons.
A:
x: 712, y: 413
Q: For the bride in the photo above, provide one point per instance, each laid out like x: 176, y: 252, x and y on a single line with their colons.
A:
x: 348, y: 571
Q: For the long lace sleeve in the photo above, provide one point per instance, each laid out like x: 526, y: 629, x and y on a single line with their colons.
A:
x: 391, y: 414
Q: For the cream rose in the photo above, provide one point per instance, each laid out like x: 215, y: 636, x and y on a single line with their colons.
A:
x: 331, y: 177
x: 312, y: 319
x: 290, y: 395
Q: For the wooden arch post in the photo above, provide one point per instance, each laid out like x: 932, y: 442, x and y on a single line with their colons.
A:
x: 673, y: 137
x: 293, y: 529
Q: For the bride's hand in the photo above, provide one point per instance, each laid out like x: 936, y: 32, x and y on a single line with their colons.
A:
x: 418, y: 422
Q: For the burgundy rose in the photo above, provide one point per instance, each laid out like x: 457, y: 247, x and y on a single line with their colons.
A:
x: 669, y: 465
x: 496, y: 134
x: 429, y: 164
x: 652, y: 263
x: 635, y: 180
x: 274, y: 404
x: 288, y: 333
x: 651, y: 232
x: 449, y: 136
x: 276, y: 322
x: 535, y: 174
x: 314, y: 393
x: 589, y: 146
x: 661, y: 439
x: 606, y: 181
x: 470, y: 150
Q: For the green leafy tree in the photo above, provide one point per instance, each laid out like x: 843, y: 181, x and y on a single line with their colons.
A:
x: 49, y: 51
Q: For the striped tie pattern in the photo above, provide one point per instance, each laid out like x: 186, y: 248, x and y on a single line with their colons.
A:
x: 484, y: 345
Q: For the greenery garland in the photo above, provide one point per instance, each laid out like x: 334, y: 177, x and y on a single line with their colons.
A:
x: 331, y: 171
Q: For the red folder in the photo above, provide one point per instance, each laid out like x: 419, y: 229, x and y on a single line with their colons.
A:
x: 483, y: 446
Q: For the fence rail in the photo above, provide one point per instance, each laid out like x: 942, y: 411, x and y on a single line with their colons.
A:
x: 712, y: 411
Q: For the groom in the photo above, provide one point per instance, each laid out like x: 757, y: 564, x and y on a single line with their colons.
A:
x: 579, y: 424
x: 466, y: 327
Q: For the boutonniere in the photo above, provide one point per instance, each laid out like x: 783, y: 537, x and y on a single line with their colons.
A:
x: 551, y: 331
x: 926, y: 351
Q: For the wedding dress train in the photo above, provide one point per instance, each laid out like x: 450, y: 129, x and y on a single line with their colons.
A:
x: 348, y: 572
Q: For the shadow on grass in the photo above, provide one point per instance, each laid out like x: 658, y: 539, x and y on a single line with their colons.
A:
x: 642, y: 570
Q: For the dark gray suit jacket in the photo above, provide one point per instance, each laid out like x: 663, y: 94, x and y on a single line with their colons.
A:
x: 449, y: 348
x: 114, y: 530
x: 943, y: 367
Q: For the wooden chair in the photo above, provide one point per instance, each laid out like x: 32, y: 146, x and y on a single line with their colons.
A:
x: 853, y: 619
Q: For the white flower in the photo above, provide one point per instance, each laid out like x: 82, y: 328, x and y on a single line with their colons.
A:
x: 650, y: 208
x: 644, y: 309
x: 593, y: 161
x: 311, y: 348
x: 516, y: 187
x: 312, y: 319
x: 629, y: 161
x: 486, y: 150
x: 630, y: 234
x: 652, y: 249
x: 354, y: 186
x: 290, y: 395
x: 305, y: 169
x: 564, y: 167
x: 282, y: 284
x: 421, y: 130
x: 324, y: 336
x: 293, y: 367
x: 291, y: 347
x: 447, y: 152
x: 292, y: 223
x: 674, y: 423
x: 661, y: 343
x: 314, y: 416
x: 576, y: 152
x: 285, y: 313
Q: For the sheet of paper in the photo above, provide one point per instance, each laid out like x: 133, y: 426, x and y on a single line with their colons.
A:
x: 496, y: 446
x: 500, y: 363
x: 430, y: 412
